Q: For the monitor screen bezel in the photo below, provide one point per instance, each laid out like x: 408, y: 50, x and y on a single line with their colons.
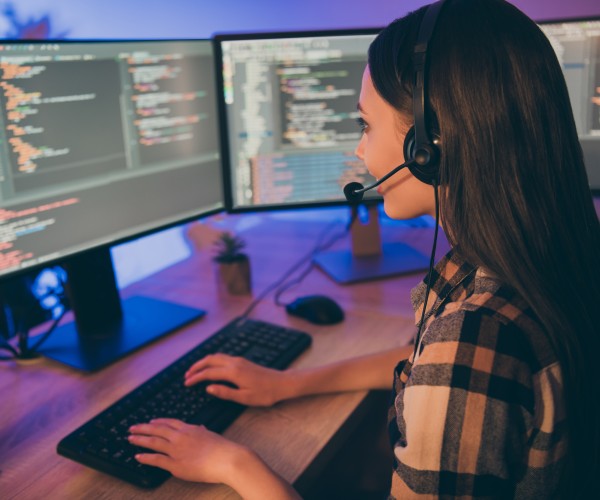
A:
x: 59, y: 260
x: 218, y: 38
x: 565, y: 20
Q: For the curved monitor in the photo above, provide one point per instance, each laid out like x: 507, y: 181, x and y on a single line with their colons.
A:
x: 101, y: 142
x: 289, y: 107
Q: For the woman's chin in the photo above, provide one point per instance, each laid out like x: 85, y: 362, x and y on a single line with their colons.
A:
x: 394, y: 211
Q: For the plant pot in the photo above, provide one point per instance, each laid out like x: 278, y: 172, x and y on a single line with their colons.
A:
x: 234, y: 277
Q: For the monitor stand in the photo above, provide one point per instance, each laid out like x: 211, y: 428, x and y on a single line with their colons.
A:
x: 106, y: 328
x: 369, y: 259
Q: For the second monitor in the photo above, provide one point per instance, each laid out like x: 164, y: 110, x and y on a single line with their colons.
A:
x: 289, y: 106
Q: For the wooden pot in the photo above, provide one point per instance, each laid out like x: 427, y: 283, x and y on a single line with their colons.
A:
x: 234, y: 277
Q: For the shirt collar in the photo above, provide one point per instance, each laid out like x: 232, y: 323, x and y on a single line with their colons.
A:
x: 450, y: 278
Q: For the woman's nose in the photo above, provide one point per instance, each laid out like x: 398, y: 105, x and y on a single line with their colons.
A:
x: 359, y: 151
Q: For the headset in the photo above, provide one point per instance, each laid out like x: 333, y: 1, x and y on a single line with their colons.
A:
x: 421, y: 145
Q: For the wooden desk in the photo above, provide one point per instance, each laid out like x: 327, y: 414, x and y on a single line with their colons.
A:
x: 44, y: 401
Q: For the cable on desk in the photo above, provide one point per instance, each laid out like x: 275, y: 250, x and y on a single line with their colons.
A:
x: 319, y: 246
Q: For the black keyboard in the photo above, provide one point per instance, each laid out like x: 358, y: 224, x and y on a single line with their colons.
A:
x: 102, y: 444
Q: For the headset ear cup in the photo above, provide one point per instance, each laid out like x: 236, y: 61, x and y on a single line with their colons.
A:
x: 429, y: 171
x: 409, y: 145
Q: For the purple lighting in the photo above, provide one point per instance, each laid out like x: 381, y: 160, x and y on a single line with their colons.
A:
x: 190, y: 19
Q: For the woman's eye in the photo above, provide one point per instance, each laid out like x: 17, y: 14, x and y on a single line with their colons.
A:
x: 362, y: 124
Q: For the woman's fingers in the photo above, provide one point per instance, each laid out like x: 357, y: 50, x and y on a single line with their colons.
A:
x: 173, y: 423
x: 156, y: 460
x: 228, y: 393
x: 225, y: 374
x: 150, y: 442
x: 165, y: 429
x: 236, y: 379
x: 195, y: 454
x: 210, y: 360
x: 158, y: 435
x: 154, y: 429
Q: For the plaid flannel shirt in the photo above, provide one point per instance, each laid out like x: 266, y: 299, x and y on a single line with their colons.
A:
x: 480, y: 413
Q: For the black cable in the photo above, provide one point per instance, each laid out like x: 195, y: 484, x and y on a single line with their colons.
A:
x: 300, y: 262
x: 319, y: 247
x: 430, y: 273
x: 23, y: 351
x: 286, y: 286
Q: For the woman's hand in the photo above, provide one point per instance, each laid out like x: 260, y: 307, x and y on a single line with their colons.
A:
x: 194, y: 453
x: 187, y: 451
x: 255, y: 385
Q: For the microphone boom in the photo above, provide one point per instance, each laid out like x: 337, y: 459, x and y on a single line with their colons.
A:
x: 354, y: 191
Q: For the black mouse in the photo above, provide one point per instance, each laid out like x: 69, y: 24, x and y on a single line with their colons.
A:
x: 317, y: 309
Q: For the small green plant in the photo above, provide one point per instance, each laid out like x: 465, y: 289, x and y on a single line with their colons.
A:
x: 228, y: 248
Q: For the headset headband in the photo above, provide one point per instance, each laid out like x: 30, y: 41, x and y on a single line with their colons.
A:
x: 423, y: 142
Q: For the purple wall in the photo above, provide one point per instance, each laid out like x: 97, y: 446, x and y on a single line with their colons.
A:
x: 197, y: 18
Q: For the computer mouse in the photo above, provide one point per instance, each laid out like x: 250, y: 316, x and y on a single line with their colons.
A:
x: 317, y: 309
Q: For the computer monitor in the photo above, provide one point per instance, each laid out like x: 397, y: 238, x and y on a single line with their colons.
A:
x: 289, y: 103
x: 577, y: 45
x: 102, y: 142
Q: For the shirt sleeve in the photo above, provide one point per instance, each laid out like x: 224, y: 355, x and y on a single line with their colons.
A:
x: 465, y: 412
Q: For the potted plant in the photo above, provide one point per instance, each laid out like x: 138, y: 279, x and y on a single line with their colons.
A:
x: 234, y: 265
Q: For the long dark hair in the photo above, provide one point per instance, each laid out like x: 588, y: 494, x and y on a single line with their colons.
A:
x: 514, y: 192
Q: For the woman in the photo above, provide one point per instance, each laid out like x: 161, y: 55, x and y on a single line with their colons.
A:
x: 501, y: 399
